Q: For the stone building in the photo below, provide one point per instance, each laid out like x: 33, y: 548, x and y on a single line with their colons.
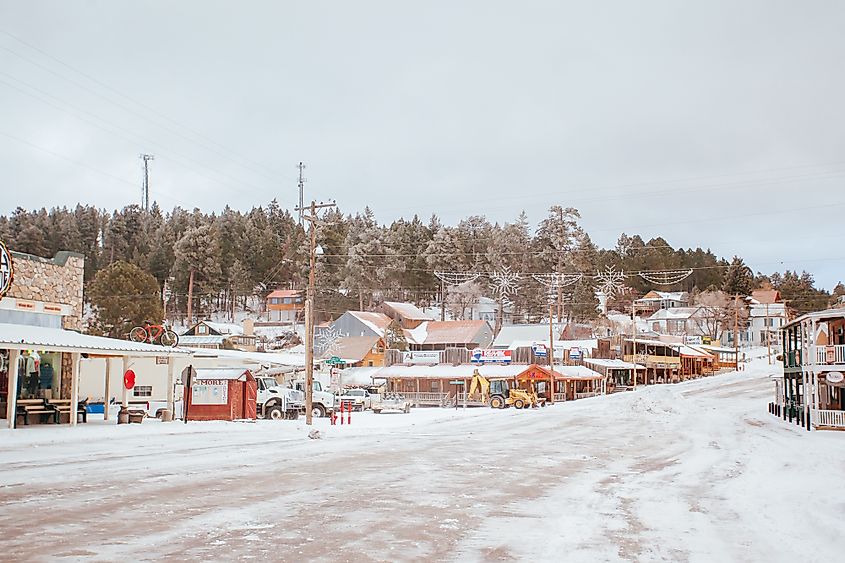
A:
x: 46, y: 291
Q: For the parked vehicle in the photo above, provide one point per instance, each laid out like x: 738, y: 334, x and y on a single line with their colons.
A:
x: 360, y: 399
x: 277, y: 402
x: 392, y: 402
x: 322, y: 402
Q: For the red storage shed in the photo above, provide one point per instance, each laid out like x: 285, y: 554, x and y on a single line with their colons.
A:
x: 221, y: 394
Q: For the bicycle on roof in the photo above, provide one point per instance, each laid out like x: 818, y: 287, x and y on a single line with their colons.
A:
x: 154, y: 334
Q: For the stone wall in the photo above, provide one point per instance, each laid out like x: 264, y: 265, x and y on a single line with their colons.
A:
x: 56, y: 280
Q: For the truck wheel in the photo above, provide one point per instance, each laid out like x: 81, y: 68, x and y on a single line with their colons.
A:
x: 274, y: 413
x: 377, y: 411
x: 318, y: 411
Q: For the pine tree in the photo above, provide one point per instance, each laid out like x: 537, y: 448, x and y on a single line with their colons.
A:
x: 123, y: 296
x: 738, y: 280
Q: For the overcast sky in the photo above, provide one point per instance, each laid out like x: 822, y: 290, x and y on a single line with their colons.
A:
x: 719, y: 125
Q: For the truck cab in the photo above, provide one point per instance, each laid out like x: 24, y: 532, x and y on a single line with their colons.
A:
x: 278, y: 402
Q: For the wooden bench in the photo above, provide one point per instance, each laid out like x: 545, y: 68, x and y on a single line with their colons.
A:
x: 62, y: 407
x: 35, y: 407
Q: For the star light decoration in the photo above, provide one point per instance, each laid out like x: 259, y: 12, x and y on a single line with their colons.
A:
x: 504, y: 283
x: 328, y: 341
x: 610, y: 282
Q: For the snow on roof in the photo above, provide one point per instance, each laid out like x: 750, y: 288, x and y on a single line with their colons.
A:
x: 819, y: 316
x: 446, y: 332
x: 359, y: 376
x: 265, y: 358
x: 224, y: 328
x: 408, y: 311
x: 220, y: 373
x: 692, y: 351
x: 189, y: 340
x: 576, y: 372
x: 613, y: 364
x: 416, y: 335
x: 716, y: 349
x: 353, y: 349
x: 377, y: 322
x: 528, y: 332
x: 448, y: 371
x: 676, y: 313
x: 24, y: 337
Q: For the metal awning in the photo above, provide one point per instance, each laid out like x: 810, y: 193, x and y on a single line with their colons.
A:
x: 26, y: 337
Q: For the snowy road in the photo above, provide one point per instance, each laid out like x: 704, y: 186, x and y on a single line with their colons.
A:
x: 691, y: 472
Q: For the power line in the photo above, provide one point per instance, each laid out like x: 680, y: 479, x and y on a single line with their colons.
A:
x: 226, y: 154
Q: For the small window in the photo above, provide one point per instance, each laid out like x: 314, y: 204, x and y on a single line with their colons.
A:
x: 370, y: 363
x: 142, y: 391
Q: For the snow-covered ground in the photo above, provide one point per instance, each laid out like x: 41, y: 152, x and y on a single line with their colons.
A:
x: 697, y: 471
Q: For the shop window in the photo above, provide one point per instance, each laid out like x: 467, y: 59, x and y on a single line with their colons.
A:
x: 142, y: 391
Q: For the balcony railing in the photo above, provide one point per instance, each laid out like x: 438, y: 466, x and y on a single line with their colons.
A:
x: 827, y: 355
x: 828, y: 419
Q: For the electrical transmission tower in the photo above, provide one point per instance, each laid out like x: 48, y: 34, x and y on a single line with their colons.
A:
x: 145, y: 191
x: 301, y: 185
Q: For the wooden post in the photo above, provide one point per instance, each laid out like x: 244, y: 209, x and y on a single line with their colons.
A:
x: 74, y: 387
x: 736, y: 328
x: 107, y: 391
x: 551, y: 357
x: 124, y: 398
x: 309, y: 361
x: 12, y: 396
x: 171, y: 402
x: 766, y: 332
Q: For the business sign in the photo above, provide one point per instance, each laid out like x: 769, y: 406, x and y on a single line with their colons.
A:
x: 7, y: 270
x: 693, y: 340
x: 540, y: 350
x: 210, y: 392
x: 490, y: 356
x: 835, y: 377
x: 575, y: 353
x: 428, y: 357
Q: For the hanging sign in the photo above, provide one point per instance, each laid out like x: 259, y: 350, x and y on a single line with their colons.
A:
x: 491, y: 356
x: 129, y: 379
x: 835, y: 377
x: 7, y: 270
x: 830, y: 355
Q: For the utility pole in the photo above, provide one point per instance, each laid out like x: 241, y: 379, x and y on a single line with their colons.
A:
x: 736, y: 329
x: 634, y: 342
x: 301, y: 185
x: 145, y: 192
x: 552, y: 357
x: 312, y: 219
x: 768, y: 335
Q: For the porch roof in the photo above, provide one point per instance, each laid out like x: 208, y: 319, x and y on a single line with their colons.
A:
x: 26, y: 337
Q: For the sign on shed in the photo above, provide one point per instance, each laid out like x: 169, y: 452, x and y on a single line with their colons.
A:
x: 209, y: 392
x: 491, y: 356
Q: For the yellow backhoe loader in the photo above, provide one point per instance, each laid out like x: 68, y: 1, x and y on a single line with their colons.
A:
x: 498, y: 393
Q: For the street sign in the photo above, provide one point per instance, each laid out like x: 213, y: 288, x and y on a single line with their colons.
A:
x: 456, y: 382
x: 129, y: 379
x: 334, y: 360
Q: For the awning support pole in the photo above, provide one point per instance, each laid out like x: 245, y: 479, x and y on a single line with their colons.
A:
x: 171, y: 402
x: 74, y: 387
x: 12, y: 397
x: 124, y: 398
x: 107, y: 392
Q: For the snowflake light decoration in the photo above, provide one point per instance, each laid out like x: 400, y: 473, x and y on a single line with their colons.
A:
x: 327, y: 342
x: 504, y: 283
x: 610, y: 282
x: 456, y: 278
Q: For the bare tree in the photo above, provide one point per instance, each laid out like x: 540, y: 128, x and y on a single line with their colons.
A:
x: 718, y: 311
x: 461, y: 297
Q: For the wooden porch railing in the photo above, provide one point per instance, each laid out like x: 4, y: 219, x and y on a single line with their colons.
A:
x: 587, y: 394
x: 560, y: 397
x: 426, y: 399
x: 830, y: 354
x: 830, y: 419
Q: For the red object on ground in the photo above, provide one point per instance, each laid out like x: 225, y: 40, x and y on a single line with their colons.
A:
x: 129, y: 379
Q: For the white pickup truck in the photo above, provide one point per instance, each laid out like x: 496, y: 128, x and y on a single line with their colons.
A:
x: 360, y: 399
